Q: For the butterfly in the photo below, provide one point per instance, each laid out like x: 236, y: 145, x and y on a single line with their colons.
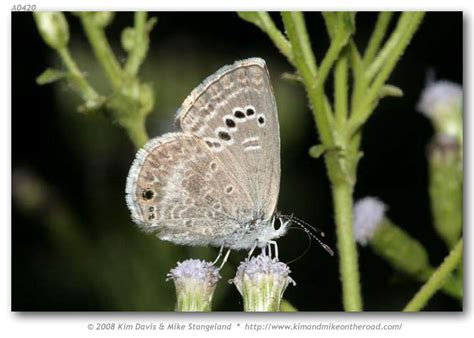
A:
x: 215, y: 182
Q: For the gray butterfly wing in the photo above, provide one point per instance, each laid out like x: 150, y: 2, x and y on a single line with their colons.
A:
x: 177, y: 188
x: 234, y: 112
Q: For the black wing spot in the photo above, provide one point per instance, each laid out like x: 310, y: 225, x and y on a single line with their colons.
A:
x: 148, y: 194
x: 239, y: 114
x: 230, y: 123
x: 223, y: 135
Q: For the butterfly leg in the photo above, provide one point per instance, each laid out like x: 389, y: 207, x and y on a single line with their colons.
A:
x: 218, y: 255
x: 225, y: 258
x: 275, y: 246
x: 252, y: 250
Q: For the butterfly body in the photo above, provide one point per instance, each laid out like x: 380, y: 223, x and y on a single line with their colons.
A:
x: 216, y: 182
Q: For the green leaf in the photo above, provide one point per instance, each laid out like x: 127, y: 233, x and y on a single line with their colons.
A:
x: 151, y: 23
x: 252, y: 17
x: 390, y: 90
x: 317, y: 150
x: 51, y: 75
x: 293, y: 77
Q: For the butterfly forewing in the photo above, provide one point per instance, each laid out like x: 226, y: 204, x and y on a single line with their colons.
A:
x: 234, y: 113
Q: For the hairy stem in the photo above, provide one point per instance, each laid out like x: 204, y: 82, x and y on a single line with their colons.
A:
x: 348, y: 266
x: 306, y: 66
x: 137, y: 132
x: 388, y: 58
x: 102, y: 49
x: 341, y: 91
x: 276, y: 36
x: 140, y: 48
x: 437, y: 279
x: 77, y: 78
x: 377, y: 36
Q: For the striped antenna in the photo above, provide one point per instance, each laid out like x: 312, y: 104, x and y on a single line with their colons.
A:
x: 307, y: 227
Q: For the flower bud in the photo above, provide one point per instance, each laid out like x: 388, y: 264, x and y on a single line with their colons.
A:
x: 103, y: 19
x: 262, y: 281
x: 441, y: 102
x: 403, y: 252
x: 53, y: 28
x: 195, y: 283
x: 386, y: 239
x: 446, y: 180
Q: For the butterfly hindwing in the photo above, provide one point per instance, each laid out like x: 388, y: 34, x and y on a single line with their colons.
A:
x: 177, y: 188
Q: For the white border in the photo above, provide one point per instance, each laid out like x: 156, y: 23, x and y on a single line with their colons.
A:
x: 75, y: 325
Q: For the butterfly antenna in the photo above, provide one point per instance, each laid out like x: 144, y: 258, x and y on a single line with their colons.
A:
x: 307, y: 247
x: 312, y: 227
x: 306, y: 227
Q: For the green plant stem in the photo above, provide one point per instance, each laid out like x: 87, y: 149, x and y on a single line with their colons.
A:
x: 360, y: 80
x: 102, y: 50
x: 330, y: 58
x: 77, y: 78
x: 140, y: 48
x: 391, y: 45
x: 451, y: 287
x: 340, y: 170
x: 436, y: 280
x: 377, y: 36
x: 348, y: 266
x: 304, y: 44
x: 387, y: 58
x: 340, y: 91
x: 137, y: 132
x: 340, y: 133
x: 269, y: 27
x: 294, y: 25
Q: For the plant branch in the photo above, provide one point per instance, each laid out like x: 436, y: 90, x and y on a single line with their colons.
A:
x: 140, y: 46
x: 377, y: 36
x: 86, y: 91
x: 401, y: 37
x: 264, y: 21
x: 341, y: 90
x: 437, y: 279
x: 276, y: 36
x: 102, y: 50
x: 295, y: 29
x: 304, y: 44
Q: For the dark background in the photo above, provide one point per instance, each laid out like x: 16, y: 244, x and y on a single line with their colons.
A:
x: 74, y: 246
